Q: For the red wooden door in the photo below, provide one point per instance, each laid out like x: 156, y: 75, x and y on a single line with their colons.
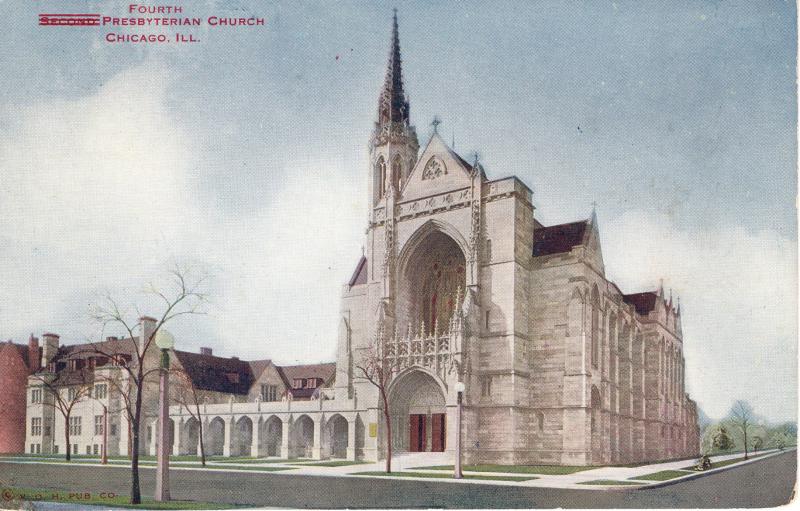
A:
x: 437, y: 432
x: 416, y: 429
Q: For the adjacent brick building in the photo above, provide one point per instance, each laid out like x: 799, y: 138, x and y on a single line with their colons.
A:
x: 17, y: 361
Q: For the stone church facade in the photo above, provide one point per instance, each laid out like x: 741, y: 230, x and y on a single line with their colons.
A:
x: 458, y: 283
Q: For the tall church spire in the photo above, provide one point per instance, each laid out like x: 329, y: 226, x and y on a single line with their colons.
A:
x: 394, y: 144
x: 393, y: 105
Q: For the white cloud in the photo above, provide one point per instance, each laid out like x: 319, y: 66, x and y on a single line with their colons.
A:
x: 93, y: 190
x: 738, y: 301
x: 97, y: 196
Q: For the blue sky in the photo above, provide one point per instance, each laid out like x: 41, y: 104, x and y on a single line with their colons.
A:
x: 247, y: 152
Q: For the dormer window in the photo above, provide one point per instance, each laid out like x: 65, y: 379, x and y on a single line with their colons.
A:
x: 232, y: 377
x: 298, y: 383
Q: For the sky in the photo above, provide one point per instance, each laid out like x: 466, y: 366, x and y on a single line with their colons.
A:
x: 246, y: 154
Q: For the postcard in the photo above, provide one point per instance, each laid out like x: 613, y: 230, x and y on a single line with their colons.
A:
x: 397, y: 254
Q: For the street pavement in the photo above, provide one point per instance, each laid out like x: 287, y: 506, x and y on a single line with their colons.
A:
x: 765, y: 482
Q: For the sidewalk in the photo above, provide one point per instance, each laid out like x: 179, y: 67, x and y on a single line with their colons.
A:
x: 418, y: 467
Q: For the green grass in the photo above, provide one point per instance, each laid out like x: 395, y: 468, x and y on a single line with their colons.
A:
x: 664, y: 475
x: 427, y: 475
x: 609, y: 482
x: 549, y: 470
x: 244, y: 467
x: 332, y: 463
x: 86, y: 498
x: 255, y: 460
x: 725, y: 463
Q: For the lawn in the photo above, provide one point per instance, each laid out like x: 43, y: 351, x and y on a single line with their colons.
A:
x: 609, y: 482
x: 664, y: 475
x: 550, y: 470
x: 333, y: 463
x: 254, y: 460
x: 87, y: 498
x: 725, y: 463
x: 427, y: 475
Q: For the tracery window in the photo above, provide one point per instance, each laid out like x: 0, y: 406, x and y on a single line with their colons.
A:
x: 443, y: 278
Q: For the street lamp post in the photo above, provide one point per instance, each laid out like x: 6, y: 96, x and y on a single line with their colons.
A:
x: 104, y: 458
x: 459, y: 399
x: 165, y: 341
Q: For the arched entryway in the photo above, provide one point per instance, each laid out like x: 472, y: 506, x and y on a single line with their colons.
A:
x: 215, y: 437
x: 336, y: 431
x: 271, y: 436
x: 242, y: 436
x: 190, y: 436
x: 419, y: 420
x: 432, y: 282
x: 302, y: 437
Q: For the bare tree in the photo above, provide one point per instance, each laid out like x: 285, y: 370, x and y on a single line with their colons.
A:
x: 64, y: 402
x: 373, y: 368
x: 181, y: 295
x: 190, y: 398
x: 743, y: 417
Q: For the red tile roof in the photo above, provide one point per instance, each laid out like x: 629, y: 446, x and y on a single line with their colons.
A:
x: 642, y: 302
x: 557, y: 239
x: 217, y: 374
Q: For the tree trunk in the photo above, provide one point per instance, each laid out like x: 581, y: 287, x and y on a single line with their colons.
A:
x: 202, y: 445
x: 66, y: 437
x: 136, y: 493
x: 200, y: 431
x: 744, y: 429
x: 387, y: 417
x: 104, y: 459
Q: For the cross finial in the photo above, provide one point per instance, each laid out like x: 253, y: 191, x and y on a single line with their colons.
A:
x: 594, y: 205
x: 435, y: 123
x: 475, y: 157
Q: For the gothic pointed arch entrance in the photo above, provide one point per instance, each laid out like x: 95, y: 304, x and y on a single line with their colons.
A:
x: 418, y: 412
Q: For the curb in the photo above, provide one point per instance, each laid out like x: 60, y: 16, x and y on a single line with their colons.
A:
x: 698, y: 475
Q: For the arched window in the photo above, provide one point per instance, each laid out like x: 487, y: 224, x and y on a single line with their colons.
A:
x: 380, y: 174
x: 596, y: 404
x: 488, y: 250
x: 595, y: 326
x: 540, y: 421
x: 397, y: 172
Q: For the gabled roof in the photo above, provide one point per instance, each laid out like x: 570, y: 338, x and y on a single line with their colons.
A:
x: 258, y: 367
x: 642, y: 302
x: 217, y: 374
x: 557, y: 239
x: 360, y: 274
x: 324, y: 371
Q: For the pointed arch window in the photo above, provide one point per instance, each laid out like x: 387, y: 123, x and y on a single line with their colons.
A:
x: 397, y: 172
x: 380, y: 174
x: 595, y: 326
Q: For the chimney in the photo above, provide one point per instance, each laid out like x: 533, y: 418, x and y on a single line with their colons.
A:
x: 34, y: 359
x: 206, y: 351
x: 49, y: 347
x: 148, y: 326
x: 112, y: 338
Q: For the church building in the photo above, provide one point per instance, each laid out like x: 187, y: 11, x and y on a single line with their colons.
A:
x: 460, y: 286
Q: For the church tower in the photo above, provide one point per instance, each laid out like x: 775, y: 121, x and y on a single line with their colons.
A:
x: 393, y: 146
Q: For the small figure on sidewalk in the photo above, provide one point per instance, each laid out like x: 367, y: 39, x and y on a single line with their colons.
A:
x: 704, y: 463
